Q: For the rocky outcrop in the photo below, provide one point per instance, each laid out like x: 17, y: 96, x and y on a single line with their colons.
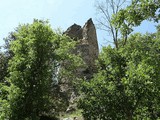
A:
x: 87, y: 45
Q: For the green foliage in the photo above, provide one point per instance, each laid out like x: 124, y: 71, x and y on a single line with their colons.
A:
x: 127, y: 85
x: 37, y: 53
x: 3, y: 66
x: 134, y: 14
x: 4, y: 106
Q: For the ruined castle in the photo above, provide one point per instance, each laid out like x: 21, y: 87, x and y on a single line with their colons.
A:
x: 87, y: 45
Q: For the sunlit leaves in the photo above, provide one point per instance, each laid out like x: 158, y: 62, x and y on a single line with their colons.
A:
x: 36, y: 53
x: 134, y: 14
x: 127, y: 85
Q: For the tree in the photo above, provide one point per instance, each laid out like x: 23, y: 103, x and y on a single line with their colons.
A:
x: 5, y: 56
x: 106, y: 10
x: 118, y: 20
x: 3, y: 85
x: 33, y: 70
x: 134, y: 14
x: 127, y: 85
x: 30, y: 70
x: 3, y: 67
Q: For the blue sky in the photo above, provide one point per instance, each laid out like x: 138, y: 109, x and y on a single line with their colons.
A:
x: 60, y: 13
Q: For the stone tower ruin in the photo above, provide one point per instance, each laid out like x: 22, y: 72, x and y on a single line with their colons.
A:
x: 87, y: 45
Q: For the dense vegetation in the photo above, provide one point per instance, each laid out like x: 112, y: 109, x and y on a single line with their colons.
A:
x: 126, y: 85
x: 27, y: 87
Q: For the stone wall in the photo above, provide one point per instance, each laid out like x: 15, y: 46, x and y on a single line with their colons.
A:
x: 87, y: 45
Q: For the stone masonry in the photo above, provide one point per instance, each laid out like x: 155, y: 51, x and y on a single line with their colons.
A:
x: 87, y: 45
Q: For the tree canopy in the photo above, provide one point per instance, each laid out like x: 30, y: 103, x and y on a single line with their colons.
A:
x: 37, y: 50
x: 126, y: 85
x: 134, y: 14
